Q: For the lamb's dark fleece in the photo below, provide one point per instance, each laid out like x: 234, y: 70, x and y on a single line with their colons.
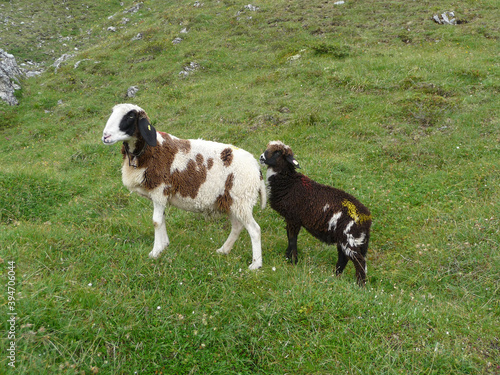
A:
x: 329, y: 214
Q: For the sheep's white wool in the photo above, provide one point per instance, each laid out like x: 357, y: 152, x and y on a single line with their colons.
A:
x: 243, y: 167
x: 230, y: 181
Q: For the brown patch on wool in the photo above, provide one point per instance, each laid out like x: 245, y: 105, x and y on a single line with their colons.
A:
x: 210, y: 163
x: 223, y: 202
x: 227, y: 157
x: 199, y: 159
x: 261, y: 176
x: 184, y: 145
x: 158, y: 164
x: 187, y: 182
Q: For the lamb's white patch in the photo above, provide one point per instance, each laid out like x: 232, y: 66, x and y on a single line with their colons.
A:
x: 355, y: 242
x: 351, y: 240
x: 333, y: 221
x: 348, y: 227
x: 326, y: 207
x: 270, y: 172
x: 348, y: 251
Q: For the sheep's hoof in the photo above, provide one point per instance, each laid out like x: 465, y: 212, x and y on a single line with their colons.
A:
x: 255, y: 266
x: 222, y: 251
x: 154, y: 254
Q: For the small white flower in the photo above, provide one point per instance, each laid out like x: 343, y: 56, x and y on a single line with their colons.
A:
x: 274, y: 268
x: 158, y: 307
x: 90, y: 284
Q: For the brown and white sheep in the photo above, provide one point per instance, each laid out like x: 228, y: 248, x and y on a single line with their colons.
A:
x: 193, y: 175
x: 329, y: 214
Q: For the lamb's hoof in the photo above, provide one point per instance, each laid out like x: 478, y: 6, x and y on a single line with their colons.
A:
x: 255, y: 266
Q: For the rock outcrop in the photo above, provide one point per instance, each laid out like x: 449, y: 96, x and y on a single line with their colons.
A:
x: 10, y: 73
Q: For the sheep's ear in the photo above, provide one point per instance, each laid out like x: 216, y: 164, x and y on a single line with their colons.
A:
x: 292, y: 161
x: 148, y: 132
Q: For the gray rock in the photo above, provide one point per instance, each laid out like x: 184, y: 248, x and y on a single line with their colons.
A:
x: 447, y: 18
x: 9, y: 77
x: 134, y: 9
x: 251, y: 8
x: 187, y: 70
x: 60, y: 60
x: 131, y: 91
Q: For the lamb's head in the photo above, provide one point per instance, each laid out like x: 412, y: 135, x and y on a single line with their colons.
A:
x: 128, y: 122
x: 279, y: 157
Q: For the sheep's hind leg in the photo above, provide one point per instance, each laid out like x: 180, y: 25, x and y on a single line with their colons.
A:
x: 255, y: 236
x: 236, y: 227
x: 161, y: 237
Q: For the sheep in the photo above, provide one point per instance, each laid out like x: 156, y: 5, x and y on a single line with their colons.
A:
x: 329, y: 214
x: 190, y: 174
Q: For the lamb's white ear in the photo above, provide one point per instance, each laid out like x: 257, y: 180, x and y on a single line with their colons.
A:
x: 292, y: 161
x: 148, y: 132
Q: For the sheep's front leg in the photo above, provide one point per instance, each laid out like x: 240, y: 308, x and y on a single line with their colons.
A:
x: 360, y: 265
x: 292, y: 232
x: 161, y: 238
x: 341, y: 262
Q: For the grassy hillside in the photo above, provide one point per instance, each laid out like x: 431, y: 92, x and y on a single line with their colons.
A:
x: 373, y: 97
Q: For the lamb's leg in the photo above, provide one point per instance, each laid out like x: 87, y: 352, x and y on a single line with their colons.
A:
x: 360, y: 265
x: 292, y: 232
x: 236, y: 227
x: 341, y: 261
x: 161, y: 238
x: 254, y: 231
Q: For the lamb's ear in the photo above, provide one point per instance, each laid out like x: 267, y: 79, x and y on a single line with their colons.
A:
x: 292, y: 161
x: 148, y: 132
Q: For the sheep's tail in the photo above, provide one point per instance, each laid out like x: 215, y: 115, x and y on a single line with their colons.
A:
x: 263, y: 194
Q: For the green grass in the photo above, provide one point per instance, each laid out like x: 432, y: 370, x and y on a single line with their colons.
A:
x: 374, y: 98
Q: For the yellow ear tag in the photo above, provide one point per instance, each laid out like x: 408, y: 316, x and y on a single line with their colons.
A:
x: 149, y: 127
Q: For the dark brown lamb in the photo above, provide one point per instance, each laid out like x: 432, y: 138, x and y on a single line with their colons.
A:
x: 329, y: 214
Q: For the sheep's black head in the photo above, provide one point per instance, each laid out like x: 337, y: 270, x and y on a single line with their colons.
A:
x: 128, y: 121
x: 279, y: 157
